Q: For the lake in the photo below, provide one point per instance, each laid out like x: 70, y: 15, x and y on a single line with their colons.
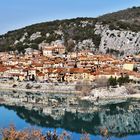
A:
x: 121, y: 119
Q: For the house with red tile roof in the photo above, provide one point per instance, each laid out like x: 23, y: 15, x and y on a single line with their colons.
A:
x: 77, y: 74
x: 3, y: 71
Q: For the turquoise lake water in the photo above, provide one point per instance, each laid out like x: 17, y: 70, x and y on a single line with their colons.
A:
x: 24, y: 119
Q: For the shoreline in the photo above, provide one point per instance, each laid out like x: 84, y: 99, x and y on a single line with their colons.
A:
x: 46, y: 88
x: 103, y: 94
x: 39, y: 91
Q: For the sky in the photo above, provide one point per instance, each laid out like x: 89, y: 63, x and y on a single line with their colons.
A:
x: 16, y: 14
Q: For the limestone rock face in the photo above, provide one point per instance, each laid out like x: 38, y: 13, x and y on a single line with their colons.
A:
x: 85, y: 44
x: 120, y: 42
x: 34, y: 36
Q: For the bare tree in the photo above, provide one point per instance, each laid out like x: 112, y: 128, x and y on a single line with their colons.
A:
x: 101, y: 82
x: 70, y: 45
x: 130, y: 89
x: 84, y: 87
x: 78, y: 86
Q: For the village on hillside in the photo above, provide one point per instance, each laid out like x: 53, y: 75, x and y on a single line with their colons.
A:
x: 52, y: 64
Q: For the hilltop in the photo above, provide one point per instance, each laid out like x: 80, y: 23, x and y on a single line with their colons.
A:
x: 116, y: 33
x: 128, y: 17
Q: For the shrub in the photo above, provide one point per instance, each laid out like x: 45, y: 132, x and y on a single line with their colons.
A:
x: 34, y: 134
x: 135, y: 69
x: 123, y: 79
x: 12, y: 134
x: 29, y: 86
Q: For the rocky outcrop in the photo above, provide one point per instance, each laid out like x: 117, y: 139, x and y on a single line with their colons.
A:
x: 34, y: 36
x: 85, y: 44
x: 110, y: 92
x: 118, y: 42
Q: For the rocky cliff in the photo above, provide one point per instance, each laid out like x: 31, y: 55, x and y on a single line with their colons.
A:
x: 118, y: 42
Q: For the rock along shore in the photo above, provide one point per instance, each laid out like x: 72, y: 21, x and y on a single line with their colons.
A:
x: 102, y: 93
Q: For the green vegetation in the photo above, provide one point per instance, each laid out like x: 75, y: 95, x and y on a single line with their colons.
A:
x: 123, y: 79
x: 114, y: 52
x: 113, y: 81
x: 135, y: 69
x: 71, y: 29
x: 126, y: 19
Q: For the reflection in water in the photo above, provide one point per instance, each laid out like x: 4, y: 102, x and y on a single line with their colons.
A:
x: 121, y: 119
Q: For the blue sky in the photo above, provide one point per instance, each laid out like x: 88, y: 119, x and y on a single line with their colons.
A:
x: 15, y: 14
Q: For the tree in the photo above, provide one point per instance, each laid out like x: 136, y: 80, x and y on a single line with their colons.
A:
x: 120, y: 81
x: 112, y: 81
x: 126, y: 79
x: 34, y: 46
x: 135, y: 69
x: 123, y: 79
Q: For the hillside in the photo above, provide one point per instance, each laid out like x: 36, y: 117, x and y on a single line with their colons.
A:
x: 128, y: 19
x: 80, y: 33
x: 75, y: 29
